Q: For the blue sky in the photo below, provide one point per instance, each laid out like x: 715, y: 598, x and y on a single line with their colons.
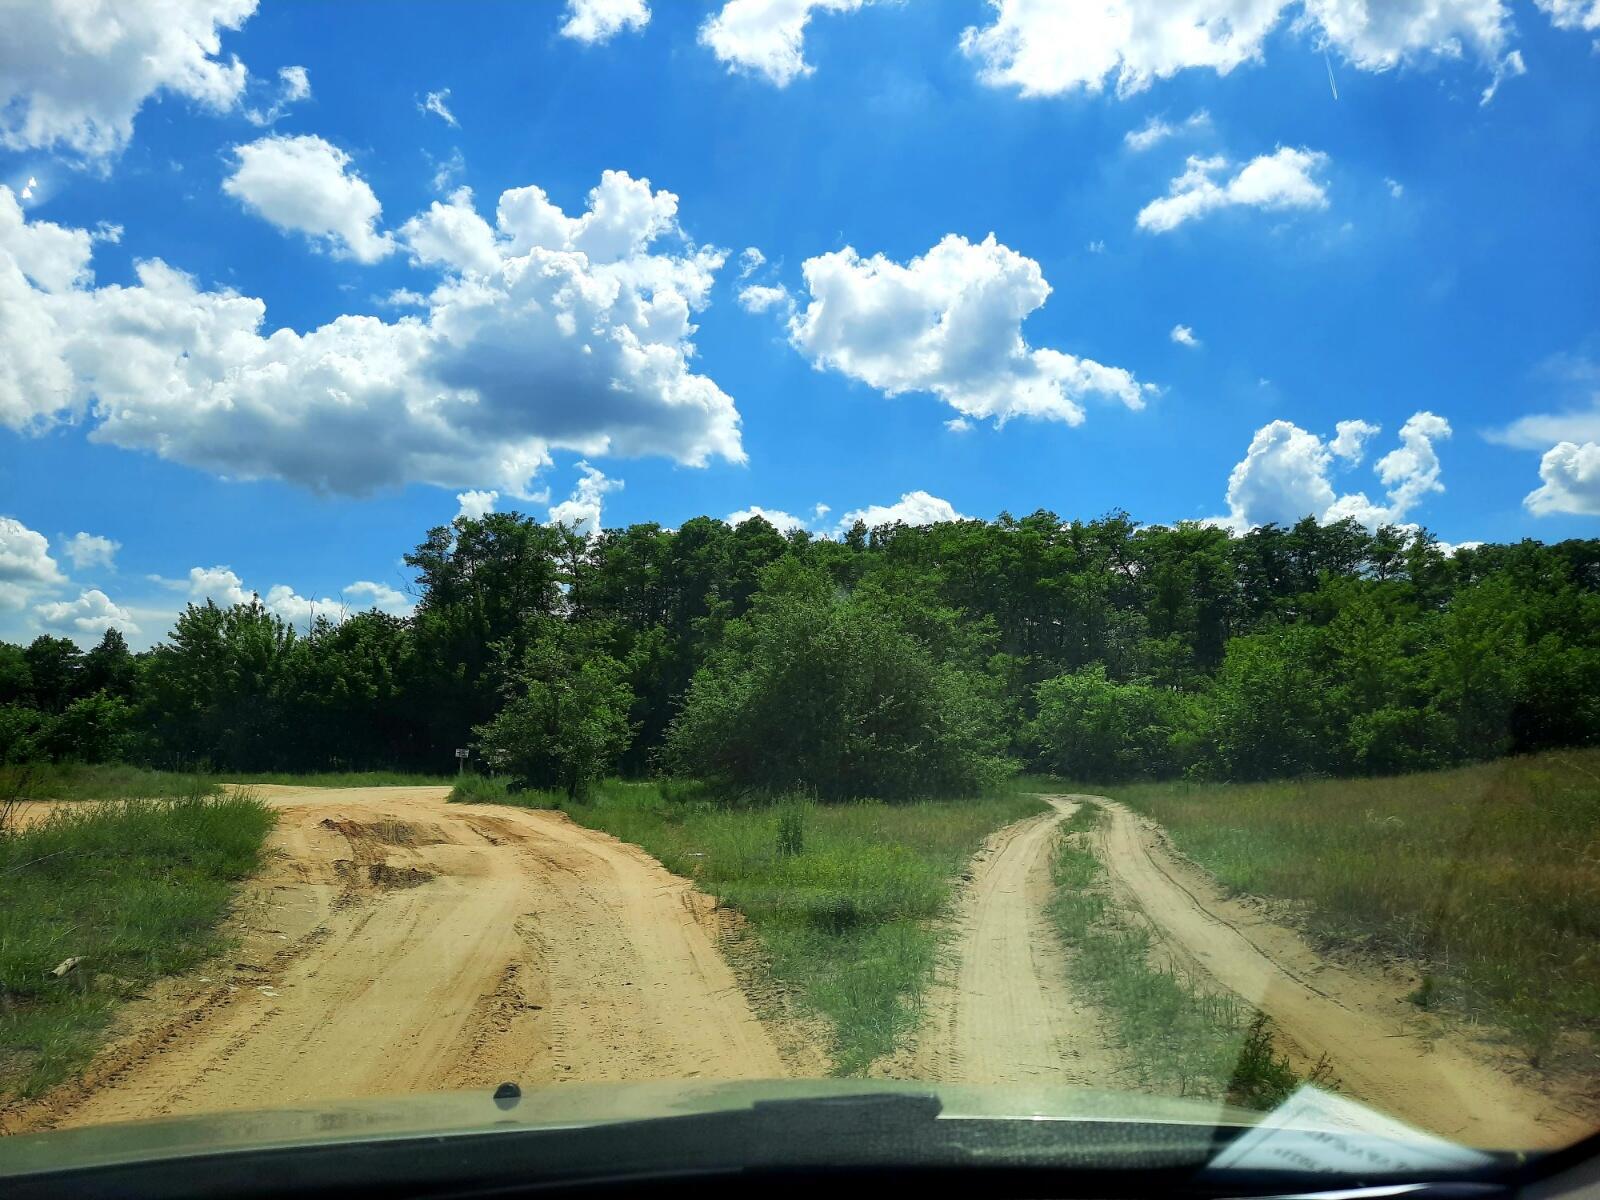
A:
x: 1391, y: 293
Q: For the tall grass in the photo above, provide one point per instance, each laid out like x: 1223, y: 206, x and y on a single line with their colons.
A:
x: 844, y: 897
x: 1487, y: 876
x: 121, y: 781
x: 1181, y: 1036
x: 134, y: 889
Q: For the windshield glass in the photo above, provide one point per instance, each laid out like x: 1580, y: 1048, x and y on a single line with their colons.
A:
x: 1043, y: 552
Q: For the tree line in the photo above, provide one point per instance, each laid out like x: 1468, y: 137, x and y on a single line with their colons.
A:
x: 896, y: 661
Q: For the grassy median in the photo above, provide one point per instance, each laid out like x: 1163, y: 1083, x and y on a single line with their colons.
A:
x: 131, y: 889
x: 844, y: 897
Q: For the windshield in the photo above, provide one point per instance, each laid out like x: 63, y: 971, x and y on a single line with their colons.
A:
x: 1046, y: 553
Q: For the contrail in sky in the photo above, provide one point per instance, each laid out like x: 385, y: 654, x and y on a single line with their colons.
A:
x: 1332, y: 86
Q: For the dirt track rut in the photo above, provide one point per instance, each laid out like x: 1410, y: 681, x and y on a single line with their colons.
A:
x: 1382, y: 1049
x: 1000, y: 1011
x: 397, y: 943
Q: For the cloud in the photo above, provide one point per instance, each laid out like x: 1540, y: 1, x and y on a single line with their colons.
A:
x: 1572, y: 14
x: 26, y: 567
x: 1350, y: 440
x: 453, y: 235
x: 1286, y: 474
x: 594, y: 21
x: 294, y: 85
x: 74, y: 75
x: 366, y: 594
x: 1184, y: 336
x: 1098, y: 246
x: 90, y: 550
x: 1540, y: 430
x: 578, y: 336
x: 758, y: 299
x: 948, y: 322
x: 222, y: 586
x: 446, y: 170
x: 436, y: 103
x: 913, y: 508
x: 91, y: 614
x: 767, y: 37
x: 1283, y: 179
x: 783, y: 522
x: 475, y: 505
x: 750, y: 260
x: 304, y: 184
x: 958, y: 425
x: 1571, y: 481
x: 1396, y: 189
x: 1156, y: 130
x: 580, y: 512
x: 1052, y: 47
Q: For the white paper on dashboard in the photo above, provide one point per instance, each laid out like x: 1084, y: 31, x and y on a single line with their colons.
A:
x: 1319, y: 1132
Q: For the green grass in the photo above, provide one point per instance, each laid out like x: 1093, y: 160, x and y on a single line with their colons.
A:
x: 845, y: 898
x: 136, y: 888
x: 120, y: 781
x: 1487, y: 877
x: 1179, y: 1036
x: 491, y: 789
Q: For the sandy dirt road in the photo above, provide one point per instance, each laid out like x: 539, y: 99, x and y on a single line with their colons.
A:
x: 1383, y: 1050
x: 1001, y: 1011
x: 396, y: 943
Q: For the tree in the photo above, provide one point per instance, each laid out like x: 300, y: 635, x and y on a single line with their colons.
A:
x: 565, y: 719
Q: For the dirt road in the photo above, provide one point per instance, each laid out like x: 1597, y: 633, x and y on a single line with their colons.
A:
x: 1000, y: 1010
x: 397, y: 943
x: 1382, y: 1048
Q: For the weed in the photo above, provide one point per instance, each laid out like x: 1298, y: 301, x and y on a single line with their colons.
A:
x: 133, y: 889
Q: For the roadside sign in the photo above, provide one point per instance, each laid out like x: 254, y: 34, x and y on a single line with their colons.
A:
x: 461, y: 753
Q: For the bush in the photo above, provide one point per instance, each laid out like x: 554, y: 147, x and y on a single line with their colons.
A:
x: 1089, y: 727
x: 480, y: 789
x: 827, y: 694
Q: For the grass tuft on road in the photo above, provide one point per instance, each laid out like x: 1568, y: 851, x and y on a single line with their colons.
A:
x: 844, y: 897
x: 1180, y: 1037
x: 1488, y: 877
x: 134, y: 889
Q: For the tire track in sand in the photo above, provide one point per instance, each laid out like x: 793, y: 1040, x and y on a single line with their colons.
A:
x: 396, y: 943
x: 1000, y: 1010
x: 1383, y: 1050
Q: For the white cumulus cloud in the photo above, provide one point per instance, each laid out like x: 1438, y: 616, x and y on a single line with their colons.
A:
x: 1184, y: 336
x: 1539, y: 430
x: 90, y: 615
x: 305, y: 185
x: 26, y: 567
x: 913, y: 508
x: 756, y: 298
x: 781, y: 521
x: 578, y: 336
x: 74, y: 73
x: 222, y: 586
x: 1286, y: 474
x: 948, y: 322
x: 475, y: 505
x: 601, y: 20
x: 580, y: 512
x: 1572, y: 14
x: 767, y: 37
x: 1052, y: 47
x: 91, y: 550
x: 1284, y: 179
x: 1570, y: 475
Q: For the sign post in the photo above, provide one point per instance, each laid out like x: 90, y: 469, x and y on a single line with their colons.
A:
x: 461, y: 762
